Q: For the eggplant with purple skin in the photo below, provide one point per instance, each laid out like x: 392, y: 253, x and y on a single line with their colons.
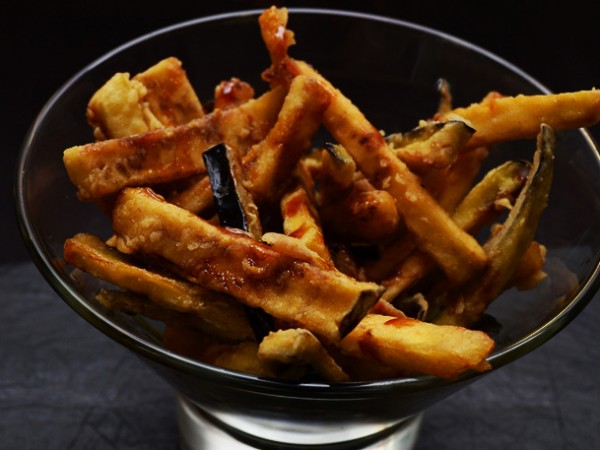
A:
x: 235, y: 209
x: 433, y: 145
x: 506, y: 246
x: 233, y: 202
x: 230, y: 261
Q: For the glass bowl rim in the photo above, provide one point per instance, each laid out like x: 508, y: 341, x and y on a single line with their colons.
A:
x: 165, y: 357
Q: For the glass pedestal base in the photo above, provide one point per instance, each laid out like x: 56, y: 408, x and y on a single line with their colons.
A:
x: 200, y: 430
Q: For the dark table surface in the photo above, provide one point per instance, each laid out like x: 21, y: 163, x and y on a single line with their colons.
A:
x: 64, y: 385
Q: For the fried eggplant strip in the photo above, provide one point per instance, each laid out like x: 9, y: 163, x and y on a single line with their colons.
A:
x: 170, y: 97
x: 270, y: 163
x: 507, y: 246
x: 159, y: 97
x: 458, y: 253
x: 479, y: 207
x: 488, y: 198
x: 158, y: 156
x: 498, y: 118
x: 167, y: 154
x: 325, y: 302
x: 300, y: 221
x: 414, y: 346
x: 448, y: 186
x: 218, y: 314
x: 433, y: 145
x: 251, y: 122
x: 299, y: 347
x: 276, y: 36
x: 240, y: 128
x: 131, y: 303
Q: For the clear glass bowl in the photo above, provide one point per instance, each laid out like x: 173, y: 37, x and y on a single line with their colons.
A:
x: 389, y: 68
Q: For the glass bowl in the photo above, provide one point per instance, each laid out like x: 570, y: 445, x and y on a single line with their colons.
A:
x: 390, y: 69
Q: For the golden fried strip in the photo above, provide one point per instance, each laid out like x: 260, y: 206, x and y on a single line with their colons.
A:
x: 498, y: 118
x: 166, y: 154
x: 433, y: 145
x: 299, y: 347
x: 170, y: 96
x: 291, y: 246
x: 159, y: 97
x: 493, y: 194
x: 418, y: 347
x: 480, y: 207
x: 217, y: 313
x: 270, y: 163
x: 457, y: 253
x: 117, y: 109
x: 300, y: 221
x: 507, y: 246
x: 131, y: 303
x: 240, y: 128
x: 448, y: 186
x: 251, y: 122
x: 158, y: 156
x: 325, y: 302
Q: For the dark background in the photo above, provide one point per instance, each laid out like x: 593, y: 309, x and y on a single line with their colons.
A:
x: 63, y: 385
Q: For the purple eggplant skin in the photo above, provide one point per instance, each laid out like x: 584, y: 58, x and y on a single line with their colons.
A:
x: 506, y: 247
x: 228, y: 204
x: 232, y: 213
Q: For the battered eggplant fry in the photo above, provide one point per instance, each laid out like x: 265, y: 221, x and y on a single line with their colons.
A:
x: 433, y: 145
x: 484, y: 203
x: 162, y: 96
x: 414, y: 346
x: 299, y: 347
x: 499, y: 118
x: 325, y: 302
x: 216, y: 314
x: 240, y: 128
x: 166, y: 154
x: 457, y: 252
x: 159, y: 156
x: 507, y: 246
x: 270, y: 163
x: 300, y: 220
